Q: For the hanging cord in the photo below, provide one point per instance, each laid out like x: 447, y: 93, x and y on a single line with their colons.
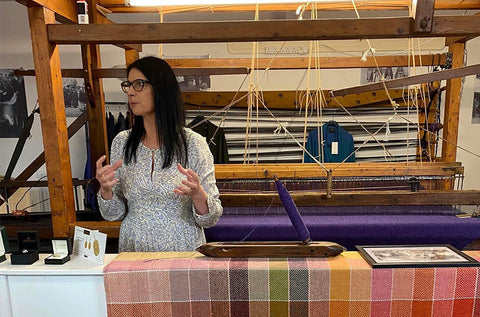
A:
x: 364, y: 128
x: 258, y: 223
x: 160, y: 46
x: 224, y: 109
x: 294, y: 139
x: 372, y: 51
x: 21, y: 198
x: 372, y: 136
x: 451, y: 143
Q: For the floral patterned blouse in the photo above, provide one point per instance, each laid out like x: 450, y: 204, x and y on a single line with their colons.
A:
x: 154, y: 217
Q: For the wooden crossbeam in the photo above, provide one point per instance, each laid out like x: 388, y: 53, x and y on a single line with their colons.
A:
x: 312, y: 170
x: 118, y: 6
x: 411, y: 80
x: 273, y: 30
x: 302, y: 62
x: 289, y: 99
x: 122, y: 72
x: 357, y: 198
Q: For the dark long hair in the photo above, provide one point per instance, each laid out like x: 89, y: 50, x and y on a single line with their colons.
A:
x: 169, y: 113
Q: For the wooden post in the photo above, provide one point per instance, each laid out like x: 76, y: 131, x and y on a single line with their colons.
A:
x: 452, y: 110
x: 452, y: 106
x: 54, y: 124
x: 97, y: 126
x: 131, y: 56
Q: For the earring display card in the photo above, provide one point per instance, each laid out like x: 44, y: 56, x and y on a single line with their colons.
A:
x: 89, y: 244
x: 62, y: 248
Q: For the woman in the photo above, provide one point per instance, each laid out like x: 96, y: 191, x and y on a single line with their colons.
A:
x: 162, y: 183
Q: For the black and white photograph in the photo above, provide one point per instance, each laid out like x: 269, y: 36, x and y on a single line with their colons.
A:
x: 13, y: 104
x: 74, y: 96
x: 383, y: 256
x: 372, y: 75
x: 194, y: 83
x: 476, y: 100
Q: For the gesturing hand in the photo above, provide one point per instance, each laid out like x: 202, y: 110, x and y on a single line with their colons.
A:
x: 106, y: 176
x: 191, y: 187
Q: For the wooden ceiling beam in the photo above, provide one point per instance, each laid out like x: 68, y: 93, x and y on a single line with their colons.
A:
x: 66, y: 12
x: 246, y: 31
x: 118, y: 6
x: 62, y: 8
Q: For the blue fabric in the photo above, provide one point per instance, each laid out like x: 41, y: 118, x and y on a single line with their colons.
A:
x: 332, y: 132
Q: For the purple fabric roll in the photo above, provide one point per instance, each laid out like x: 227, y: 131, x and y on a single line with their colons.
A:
x: 292, y: 211
x: 351, y: 230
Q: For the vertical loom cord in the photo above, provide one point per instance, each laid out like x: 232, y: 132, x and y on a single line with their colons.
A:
x: 307, y: 100
x: 160, y: 46
x: 251, y: 95
x: 372, y: 50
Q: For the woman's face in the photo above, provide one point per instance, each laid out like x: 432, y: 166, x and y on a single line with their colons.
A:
x: 141, y: 102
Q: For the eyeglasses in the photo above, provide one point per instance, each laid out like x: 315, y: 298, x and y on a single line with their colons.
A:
x: 137, y: 85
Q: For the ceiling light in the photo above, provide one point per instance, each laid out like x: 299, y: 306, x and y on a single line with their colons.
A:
x: 204, y: 2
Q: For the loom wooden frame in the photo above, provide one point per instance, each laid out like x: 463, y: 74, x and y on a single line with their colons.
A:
x: 46, y: 36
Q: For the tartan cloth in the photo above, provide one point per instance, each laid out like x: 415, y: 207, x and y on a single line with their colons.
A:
x: 190, y: 284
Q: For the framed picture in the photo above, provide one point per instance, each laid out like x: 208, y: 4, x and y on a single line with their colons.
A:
x: 13, y: 104
x: 432, y: 255
x: 74, y: 96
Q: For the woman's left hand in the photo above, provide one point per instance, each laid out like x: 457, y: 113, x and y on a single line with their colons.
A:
x: 191, y: 187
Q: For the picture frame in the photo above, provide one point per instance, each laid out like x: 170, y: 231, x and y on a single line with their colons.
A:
x: 411, y: 256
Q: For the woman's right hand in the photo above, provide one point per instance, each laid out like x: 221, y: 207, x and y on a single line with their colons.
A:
x: 106, y: 177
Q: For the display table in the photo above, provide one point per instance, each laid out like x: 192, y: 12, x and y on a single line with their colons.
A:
x: 190, y: 284
x: 75, y: 288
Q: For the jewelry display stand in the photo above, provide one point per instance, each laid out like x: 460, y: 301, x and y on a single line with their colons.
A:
x: 29, y: 246
x: 62, y: 248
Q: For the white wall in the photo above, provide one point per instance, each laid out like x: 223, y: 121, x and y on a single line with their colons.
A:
x: 15, y: 52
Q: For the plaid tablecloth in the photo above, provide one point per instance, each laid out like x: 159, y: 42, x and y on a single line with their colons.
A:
x: 190, y: 284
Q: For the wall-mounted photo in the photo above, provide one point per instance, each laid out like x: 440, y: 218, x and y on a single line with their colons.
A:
x: 13, y: 104
x: 74, y: 96
x: 372, y: 75
x: 194, y: 83
x: 476, y: 100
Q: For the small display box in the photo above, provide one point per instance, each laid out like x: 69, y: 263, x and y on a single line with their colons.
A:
x: 29, y: 246
x: 2, y: 249
x: 4, y: 238
x: 62, y: 248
